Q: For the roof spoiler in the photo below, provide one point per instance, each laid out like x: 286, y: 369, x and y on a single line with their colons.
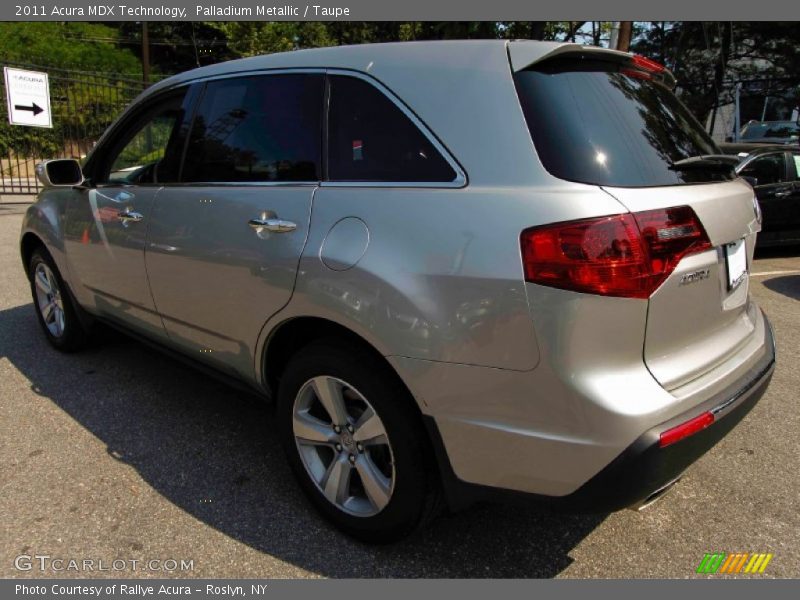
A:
x: 523, y: 54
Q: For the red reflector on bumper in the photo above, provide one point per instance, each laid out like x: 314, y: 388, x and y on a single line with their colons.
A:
x: 684, y: 430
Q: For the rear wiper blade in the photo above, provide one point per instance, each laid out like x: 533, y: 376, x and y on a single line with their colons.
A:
x: 718, y: 162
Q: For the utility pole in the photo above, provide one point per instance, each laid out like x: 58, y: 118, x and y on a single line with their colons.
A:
x: 738, y: 116
x: 145, y: 55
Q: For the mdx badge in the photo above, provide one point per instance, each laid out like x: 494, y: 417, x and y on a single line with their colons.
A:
x: 695, y: 276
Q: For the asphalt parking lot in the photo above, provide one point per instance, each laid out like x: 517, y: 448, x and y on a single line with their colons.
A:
x: 121, y: 454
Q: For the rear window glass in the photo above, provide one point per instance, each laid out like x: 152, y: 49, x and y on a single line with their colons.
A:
x: 371, y: 139
x: 598, y: 122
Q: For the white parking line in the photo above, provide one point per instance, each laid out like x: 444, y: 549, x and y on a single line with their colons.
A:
x: 773, y: 273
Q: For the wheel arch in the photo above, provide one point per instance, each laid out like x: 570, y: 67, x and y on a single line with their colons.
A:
x: 294, y: 333
x: 27, y: 245
x: 43, y: 226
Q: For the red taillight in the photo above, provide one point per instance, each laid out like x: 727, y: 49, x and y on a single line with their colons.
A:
x: 626, y: 255
x: 647, y: 64
x: 637, y: 74
x: 684, y: 430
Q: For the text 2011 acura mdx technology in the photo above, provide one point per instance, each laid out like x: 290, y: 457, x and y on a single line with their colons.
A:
x: 458, y: 268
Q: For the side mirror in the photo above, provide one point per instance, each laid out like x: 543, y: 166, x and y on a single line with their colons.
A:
x: 751, y: 180
x: 61, y: 172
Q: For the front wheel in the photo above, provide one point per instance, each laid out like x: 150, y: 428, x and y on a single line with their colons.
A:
x: 355, y: 442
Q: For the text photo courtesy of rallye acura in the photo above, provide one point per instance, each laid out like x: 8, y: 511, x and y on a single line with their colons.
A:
x: 460, y: 270
x: 137, y: 589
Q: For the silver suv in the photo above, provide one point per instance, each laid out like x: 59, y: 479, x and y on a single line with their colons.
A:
x: 458, y: 268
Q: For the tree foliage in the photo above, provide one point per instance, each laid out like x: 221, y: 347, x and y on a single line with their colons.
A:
x: 87, y: 70
x: 707, y: 58
x: 75, y: 45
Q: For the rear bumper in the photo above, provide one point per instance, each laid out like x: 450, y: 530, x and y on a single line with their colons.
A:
x: 643, y: 468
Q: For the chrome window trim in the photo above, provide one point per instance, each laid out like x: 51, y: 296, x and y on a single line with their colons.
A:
x: 254, y: 72
x: 222, y: 184
x: 460, y: 180
x: 461, y: 177
x: 455, y: 184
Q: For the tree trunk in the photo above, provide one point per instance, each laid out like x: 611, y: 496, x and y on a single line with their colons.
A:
x: 625, y: 34
x: 537, y: 30
x: 726, y: 33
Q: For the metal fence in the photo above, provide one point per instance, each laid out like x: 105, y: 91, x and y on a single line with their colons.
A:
x: 83, y: 104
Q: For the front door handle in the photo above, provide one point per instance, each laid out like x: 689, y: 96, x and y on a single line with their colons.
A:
x: 129, y: 216
x: 271, y: 224
x: 783, y: 193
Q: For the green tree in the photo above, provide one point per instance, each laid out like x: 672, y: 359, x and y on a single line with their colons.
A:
x: 708, y: 57
x: 177, y: 46
x: 87, y: 87
x: 71, y: 45
x: 249, y: 38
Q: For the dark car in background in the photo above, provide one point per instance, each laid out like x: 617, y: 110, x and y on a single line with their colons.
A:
x: 772, y: 132
x: 774, y: 172
x: 757, y: 134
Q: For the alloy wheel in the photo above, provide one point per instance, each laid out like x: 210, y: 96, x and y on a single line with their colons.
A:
x: 343, y: 446
x: 48, y: 299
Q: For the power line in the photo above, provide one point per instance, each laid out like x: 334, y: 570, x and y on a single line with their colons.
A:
x: 135, y: 41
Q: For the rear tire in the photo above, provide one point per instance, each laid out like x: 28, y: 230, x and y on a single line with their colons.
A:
x: 55, y: 308
x: 332, y: 397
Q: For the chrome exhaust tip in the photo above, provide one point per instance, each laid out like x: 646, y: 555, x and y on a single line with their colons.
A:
x: 655, y: 496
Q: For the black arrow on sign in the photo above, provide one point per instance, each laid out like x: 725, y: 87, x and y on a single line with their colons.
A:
x: 35, y: 108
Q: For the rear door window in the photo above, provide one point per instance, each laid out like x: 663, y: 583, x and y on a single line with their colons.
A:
x: 259, y: 128
x: 600, y: 122
x: 371, y: 139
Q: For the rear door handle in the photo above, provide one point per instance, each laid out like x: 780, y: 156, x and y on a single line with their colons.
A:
x: 129, y: 216
x: 783, y: 193
x: 272, y: 224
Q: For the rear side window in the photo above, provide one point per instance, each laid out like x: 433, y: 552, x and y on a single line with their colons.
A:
x: 767, y: 169
x: 261, y: 128
x: 601, y: 123
x: 371, y: 139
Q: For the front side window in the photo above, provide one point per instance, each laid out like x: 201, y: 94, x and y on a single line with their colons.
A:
x: 258, y: 128
x: 767, y: 169
x: 149, y: 151
x: 371, y: 139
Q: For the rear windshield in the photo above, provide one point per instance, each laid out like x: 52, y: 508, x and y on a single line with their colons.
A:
x: 601, y: 123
